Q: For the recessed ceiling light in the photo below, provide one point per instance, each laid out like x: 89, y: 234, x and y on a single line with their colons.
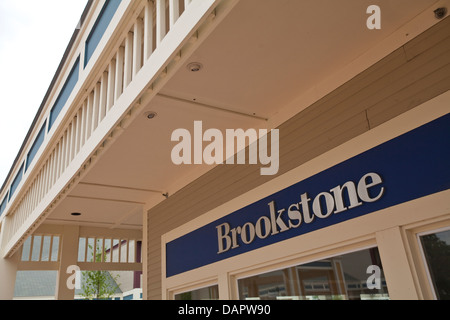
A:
x: 439, y: 13
x: 150, y: 115
x: 194, y: 66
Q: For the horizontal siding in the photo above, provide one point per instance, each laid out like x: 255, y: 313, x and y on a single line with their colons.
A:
x: 411, y: 75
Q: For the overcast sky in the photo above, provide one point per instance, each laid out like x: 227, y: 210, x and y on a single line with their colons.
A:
x: 33, y: 37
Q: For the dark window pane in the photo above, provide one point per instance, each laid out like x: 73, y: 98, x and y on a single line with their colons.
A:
x: 210, y: 293
x: 353, y: 276
x: 436, y: 247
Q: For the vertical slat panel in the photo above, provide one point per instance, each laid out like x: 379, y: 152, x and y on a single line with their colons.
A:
x: 103, y: 258
x: 55, y: 164
x: 46, y: 178
x: 41, y: 186
x: 103, y: 92
x: 110, y: 248
x: 63, y: 152
x: 23, y: 205
x: 73, y: 142
x: 111, y: 85
x: 174, y: 12
x: 119, y: 72
x: 50, y: 171
x: 96, y: 107
x: 35, y: 197
x: 68, y: 147
x: 89, y: 109
x: 148, y: 29
x: 160, y: 21
x: 36, y: 191
x: 38, y: 187
x: 86, y: 247
x: 31, y: 248
x: 84, y: 125
x: 41, y: 248
x: 50, y: 249
x: 14, y: 223
x: 119, y: 247
x: 60, y: 156
x: 32, y: 194
x: 128, y: 64
x: 59, y: 159
x: 94, y: 250
x: 137, y: 46
x: 44, y: 181
x: 79, y: 129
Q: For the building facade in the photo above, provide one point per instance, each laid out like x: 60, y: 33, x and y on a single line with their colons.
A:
x: 228, y: 149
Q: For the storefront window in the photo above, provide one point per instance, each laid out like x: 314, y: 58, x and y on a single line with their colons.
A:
x: 210, y: 293
x: 353, y: 276
x: 436, y: 247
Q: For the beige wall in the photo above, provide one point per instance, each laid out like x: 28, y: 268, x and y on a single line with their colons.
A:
x: 405, y: 79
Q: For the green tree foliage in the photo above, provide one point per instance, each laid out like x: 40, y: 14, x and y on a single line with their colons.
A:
x: 98, y: 285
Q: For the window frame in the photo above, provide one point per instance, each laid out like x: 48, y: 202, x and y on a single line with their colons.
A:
x: 193, y: 287
x: 295, y: 263
x: 423, y: 257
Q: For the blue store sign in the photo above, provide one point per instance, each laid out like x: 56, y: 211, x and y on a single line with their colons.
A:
x: 408, y: 167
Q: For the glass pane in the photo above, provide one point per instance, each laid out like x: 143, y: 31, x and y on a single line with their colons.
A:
x: 108, y: 250
x: 55, y: 248
x: 115, y: 250
x: 210, y: 293
x: 99, y: 251
x: 90, y: 250
x: 436, y: 247
x: 123, y: 250
x: 31, y: 285
x: 26, y: 249
x: 46, y: 248
x: 353, y: 276
x: 131, y: 250
x: 81, y: 249
x: 36, y: 249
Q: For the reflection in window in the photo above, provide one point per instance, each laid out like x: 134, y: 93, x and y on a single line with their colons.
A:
x: 210, y: 293
x: 343, y: 277
x: 436, y: 247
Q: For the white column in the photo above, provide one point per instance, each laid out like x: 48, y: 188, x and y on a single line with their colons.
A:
x: 224, y: 289
x: 397, y: 269
x: 8, y: 268
x: 8, y: 271
x: 68, y: 257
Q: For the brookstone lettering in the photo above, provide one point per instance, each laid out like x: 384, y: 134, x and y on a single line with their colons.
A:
x: 335, y: 201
